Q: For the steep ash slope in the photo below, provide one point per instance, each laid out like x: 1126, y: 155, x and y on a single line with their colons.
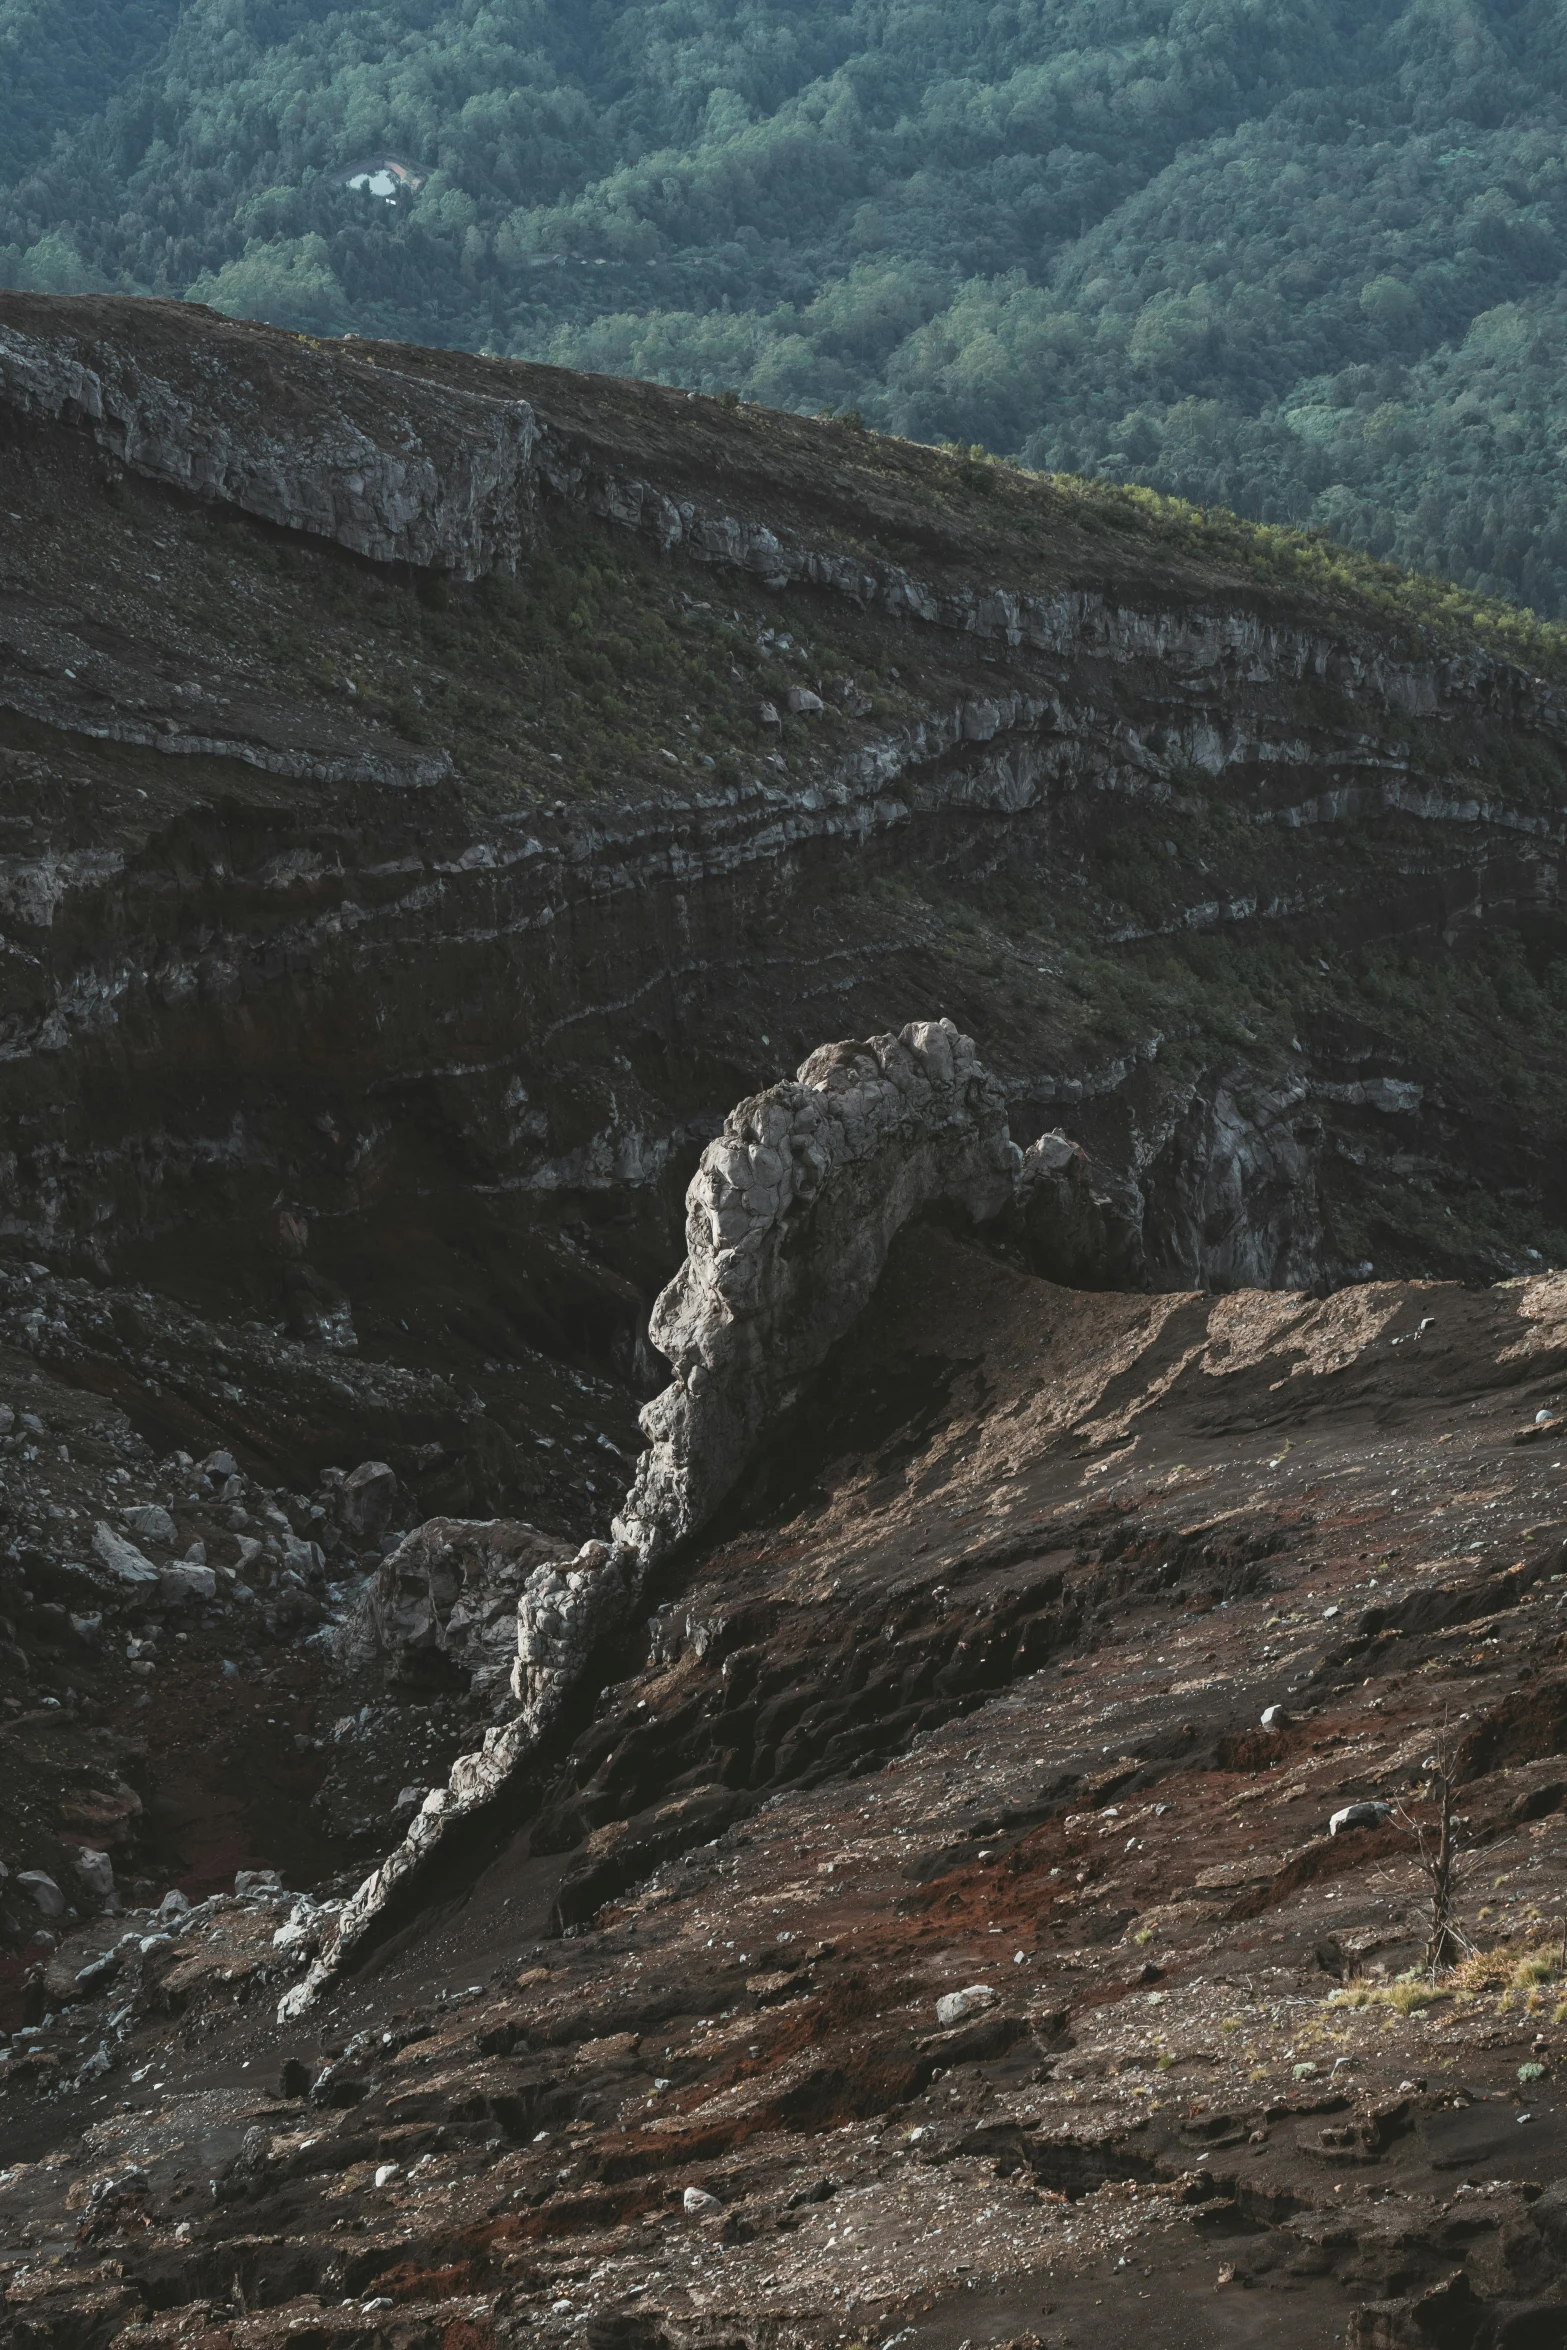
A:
x: 964, y: 1700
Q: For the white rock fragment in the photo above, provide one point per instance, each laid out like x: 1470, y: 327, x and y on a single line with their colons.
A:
x: 179, y: 1585
x: 955, y: 2007
x: 298, y: 1928
x: 123, y: 1560
x: 1359, y: 1815
x: 152, y: 1522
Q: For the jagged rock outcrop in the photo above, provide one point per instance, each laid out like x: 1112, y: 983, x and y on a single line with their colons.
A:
x: 1081, y: 1224
x: 789, y: 1219
x: 309, y: 437
x: 566, y: 1608
x: 1231, y: 1197
x: 441, y: 1609
x: 788, y: 1223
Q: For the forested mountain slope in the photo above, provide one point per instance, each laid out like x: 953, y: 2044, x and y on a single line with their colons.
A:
x: 1301, y: 259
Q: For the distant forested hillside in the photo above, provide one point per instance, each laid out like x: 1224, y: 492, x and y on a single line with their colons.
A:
x: 1307, y: 260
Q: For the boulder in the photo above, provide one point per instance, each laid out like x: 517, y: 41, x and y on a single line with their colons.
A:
x: 152, y: 1522
x: 367, y: 1496
x: 96, y: 1871
x: 955, y: 2007
x: 179, y: 1585
x: 306, y: 1559
x: 42, y: 1891
x: 441, y: 1609
x: 124, y: 1561
x: 301, y: 1929
x: 1359, y: 1815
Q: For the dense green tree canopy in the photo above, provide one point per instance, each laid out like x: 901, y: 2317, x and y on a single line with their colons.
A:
x: 1301, y: 257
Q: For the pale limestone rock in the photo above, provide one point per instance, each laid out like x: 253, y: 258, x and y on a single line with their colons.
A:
x: 124, y: 1561
x: 311, y: 438
x: 179, y: 1585
x: 789, y: 1219
x: 955, y: 2007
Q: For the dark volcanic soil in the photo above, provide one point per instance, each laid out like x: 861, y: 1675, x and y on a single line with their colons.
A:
x: 965, y: 1696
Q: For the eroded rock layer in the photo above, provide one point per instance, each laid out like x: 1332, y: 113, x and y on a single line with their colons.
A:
x: 788, y: 1222
x: 274, y: 425
x: 387, y: 945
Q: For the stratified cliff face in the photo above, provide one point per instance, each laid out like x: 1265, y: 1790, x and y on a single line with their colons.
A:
x: 436, y: 789
x: 309, y: 439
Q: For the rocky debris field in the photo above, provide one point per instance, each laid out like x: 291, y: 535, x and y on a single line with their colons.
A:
x: 919, y: 1938
x: 203, y: 1669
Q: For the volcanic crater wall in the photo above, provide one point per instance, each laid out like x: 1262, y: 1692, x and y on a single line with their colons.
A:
x: 292, y: 1010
